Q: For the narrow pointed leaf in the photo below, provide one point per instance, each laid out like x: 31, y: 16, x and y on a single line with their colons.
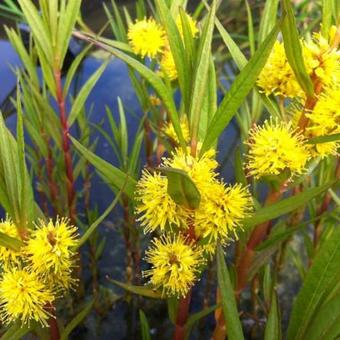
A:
x: 228, y: 298
x: 293, y: 48
x: 286, y: 205
x: 320, y: 280
x: 138, y: 290
x: 80, y: 100
x: 238, y: 91
x: 145, y: 329
x: 110, y: 174
x: 273, y: 324
x: 77, y: 320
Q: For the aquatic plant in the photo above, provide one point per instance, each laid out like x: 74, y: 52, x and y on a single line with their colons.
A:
x: 188, y: 237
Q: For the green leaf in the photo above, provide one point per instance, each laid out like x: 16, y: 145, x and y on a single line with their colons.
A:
x: 201, y: 73
x: 39, y: 30
x: 286, y: 205
x: 228, y: 298
x: 327, y: 325
x: 172, y: 304
x: 84, y: 92
x: 293, y: 49
x: 324, y: 139
x: 320, y: 280
x: 16, y: 332
x: 238, y: 91
x: 268, y: 18
x: 112, y: 175
x: 326, y: 17
x: 144, y: 326
x: 237, y: 55
x: 74, y: 68
x: 67, y: 20
x: 99, y: 220
x: 177, y: 49
x: 194, y: 318
x: 77, y: 320
x: 273, y: 324
x: 138, y: 290
x: 181, y: 188
x: 250, y: 29
x: 10, y: 242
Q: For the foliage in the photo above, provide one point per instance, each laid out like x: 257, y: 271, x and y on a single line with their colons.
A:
x: 283, y: 99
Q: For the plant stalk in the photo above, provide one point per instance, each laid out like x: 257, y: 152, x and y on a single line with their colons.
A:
x: 66, y: 147
x: 182, y: 317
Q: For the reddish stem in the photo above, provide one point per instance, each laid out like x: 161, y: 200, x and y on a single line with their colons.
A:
x: 54, y: 330
x: 257, y: 236
x: 182, y: 317
x: 66, y: 147
x: 53, y: 187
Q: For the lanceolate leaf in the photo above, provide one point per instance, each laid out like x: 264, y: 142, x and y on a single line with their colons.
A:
x: 181, y: 188
x: 324, y: 139
x: 139, y: 290
x: 286, y: 205
x: 177, y: 48
x: 318, y: 285
x: 241, y: 86
x: 80, y: 100
x: 293, y: 48
x: 327, y: 325
x: 77, y: 320
x: 273, y: 324
x: 201, y: 73
x: 112, y: 175
x: 228, y: 298
x: 268, y: 18
x: 145, y: 329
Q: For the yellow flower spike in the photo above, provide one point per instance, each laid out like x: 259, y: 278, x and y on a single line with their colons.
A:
x: 321, y: 150
x: 201, y: 170
x: 221, y: 212
x: 275, y: 147
x: 9, y: 257
x: 167, y: 64
x: 23, y: 296
x: 321, y: 59
x: 155, y: 206
x: 277, y: 77
x: 146, y: 38
x: 175, y: 264
x: 169, y: 131
x: 50, y: 252
x: 325, y: 117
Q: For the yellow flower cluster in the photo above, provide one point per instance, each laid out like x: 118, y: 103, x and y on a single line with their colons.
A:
x: 274, y: 148
x: 321, y: 59
x: 189, y: 235
x: 148, y: 38
x: 175, y: 264
x: 35, y: 275
x: 321, y: 115
x: 322, y: 62
x: 169, y: 131
x: 277, y: 77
